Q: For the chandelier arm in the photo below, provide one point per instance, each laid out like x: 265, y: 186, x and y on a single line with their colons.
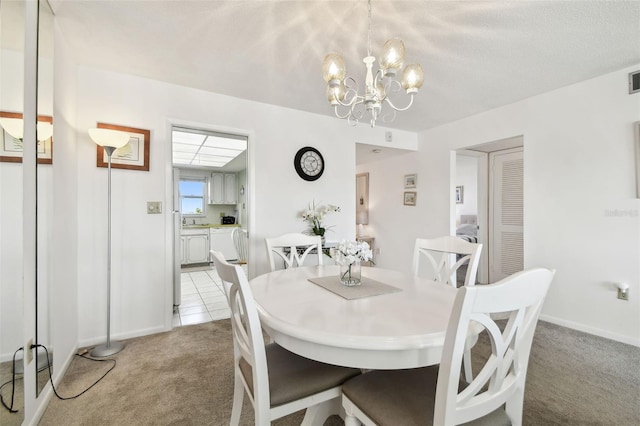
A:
x: 400, y: 109
x: 346, y: 115
x: 355, y: 100
x: 358, y: 114
x: 392, y: 113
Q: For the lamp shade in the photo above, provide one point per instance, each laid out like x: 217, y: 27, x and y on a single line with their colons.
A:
x: 335, y: 94
x: 44, y: 130
x: 412, y: 78
x: 333, y: 68
x: 108, y: 137
x: 13, y: 126
x: 392, y: 57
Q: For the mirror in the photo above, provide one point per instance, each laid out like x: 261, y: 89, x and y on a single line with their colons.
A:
x: 12, y: 31
x: 45, y: 191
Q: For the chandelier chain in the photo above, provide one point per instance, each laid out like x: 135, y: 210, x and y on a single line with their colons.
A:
x: 369, y: 33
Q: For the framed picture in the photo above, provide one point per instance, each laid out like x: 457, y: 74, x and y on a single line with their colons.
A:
x: 132, y: 156
x: 410, y: 198
x: 410, y: 181
x: 11, y: 148
x: 459, y: 194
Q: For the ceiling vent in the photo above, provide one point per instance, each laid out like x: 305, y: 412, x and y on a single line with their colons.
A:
x: 634, y: 82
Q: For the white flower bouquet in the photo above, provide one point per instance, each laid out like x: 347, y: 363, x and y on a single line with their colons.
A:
x: 315, y: 214
x: 349, y: 255
x: 348, y: 252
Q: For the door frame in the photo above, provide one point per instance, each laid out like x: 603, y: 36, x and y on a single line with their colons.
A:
x: 168, y: 197
x: 481, y: 152
x: 482, y: 181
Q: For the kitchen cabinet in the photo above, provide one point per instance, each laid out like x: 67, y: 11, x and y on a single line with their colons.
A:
x: 223, y: 188
x: 220, y: 240
x: 195, y: 246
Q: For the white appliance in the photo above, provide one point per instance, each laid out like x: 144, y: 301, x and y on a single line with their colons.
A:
x: 220, y: 240
x: 177, y: 219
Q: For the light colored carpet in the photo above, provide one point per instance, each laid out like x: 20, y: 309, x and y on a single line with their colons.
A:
x: 185, y: 377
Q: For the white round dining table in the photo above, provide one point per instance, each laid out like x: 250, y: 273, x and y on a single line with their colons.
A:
x: 397, y: 330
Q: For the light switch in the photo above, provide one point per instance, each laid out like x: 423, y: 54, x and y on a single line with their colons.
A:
x: 154, y: 207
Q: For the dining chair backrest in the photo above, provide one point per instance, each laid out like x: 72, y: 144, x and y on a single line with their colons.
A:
x: 445, y: 256
x: 227, y: 276
x: 502, y: 377
x: 292, y: 243
x: 241, y: 243
x: 248, y: 341
x: 278, y: 381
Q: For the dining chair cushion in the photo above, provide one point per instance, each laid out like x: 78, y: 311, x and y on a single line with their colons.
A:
x: 292, y: 377
x: 411, y: 401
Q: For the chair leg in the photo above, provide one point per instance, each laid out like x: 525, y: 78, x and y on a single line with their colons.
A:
x: 514, y: 407
x: 466, y: 362
x: 351, y: 420
x: 238, y: 398
x: 349, y: 417
x: 319, y: 413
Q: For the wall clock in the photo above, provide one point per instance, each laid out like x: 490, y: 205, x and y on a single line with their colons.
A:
x: 309, y: 163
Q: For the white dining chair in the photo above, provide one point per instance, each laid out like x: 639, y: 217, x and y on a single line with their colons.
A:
x: 241, y: 243
x: 286, y: 248
x: 436, y: 395
x: 439, y: 253
x: 446, y: 255
x: 278, y: 382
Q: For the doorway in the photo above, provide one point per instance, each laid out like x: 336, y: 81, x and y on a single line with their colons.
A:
x: 210, y: 188
x: 498, y: 202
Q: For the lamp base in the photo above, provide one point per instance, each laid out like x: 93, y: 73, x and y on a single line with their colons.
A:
x: 104, y: 350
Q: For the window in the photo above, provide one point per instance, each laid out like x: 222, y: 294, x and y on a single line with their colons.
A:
x: 192, y: 196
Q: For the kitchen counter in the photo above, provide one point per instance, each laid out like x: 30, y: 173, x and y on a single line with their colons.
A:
x: 208, y: 225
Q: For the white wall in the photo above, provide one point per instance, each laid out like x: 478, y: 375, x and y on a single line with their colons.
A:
x: 141, y: 293
x: 64, y: 219
x: 581, y: 217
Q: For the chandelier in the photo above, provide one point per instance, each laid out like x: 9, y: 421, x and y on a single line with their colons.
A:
x: 343, y: 93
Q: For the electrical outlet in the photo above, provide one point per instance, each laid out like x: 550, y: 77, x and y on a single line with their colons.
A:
x: 388, y: 136
x: 28, y: 351
x: 623, y: 294
x: 154, y: 207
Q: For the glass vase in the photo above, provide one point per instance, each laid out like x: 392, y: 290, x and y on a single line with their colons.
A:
x: 350, y: 274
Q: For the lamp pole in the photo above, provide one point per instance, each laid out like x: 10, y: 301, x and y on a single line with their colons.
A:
x: 109, y: 348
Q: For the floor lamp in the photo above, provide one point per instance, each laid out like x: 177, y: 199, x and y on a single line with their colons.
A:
x: 110, y: 140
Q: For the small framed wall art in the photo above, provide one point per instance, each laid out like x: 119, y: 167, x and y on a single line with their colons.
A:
x: 459, y: 194
x: 11, y: 148
x: 132, y: 156
x: 410, y: 198
x: 410, y: 181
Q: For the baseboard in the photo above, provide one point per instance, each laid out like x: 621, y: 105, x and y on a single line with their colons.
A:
x: 47, y: 392
x: 136, y: 333
x: 592, y: 330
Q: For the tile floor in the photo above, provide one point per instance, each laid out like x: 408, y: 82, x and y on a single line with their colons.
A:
x: 203, y: 298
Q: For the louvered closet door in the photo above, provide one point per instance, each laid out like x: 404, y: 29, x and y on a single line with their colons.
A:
x: 506, y: 213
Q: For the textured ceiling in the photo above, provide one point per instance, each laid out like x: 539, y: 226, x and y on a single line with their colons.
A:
x: 476, y: 55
